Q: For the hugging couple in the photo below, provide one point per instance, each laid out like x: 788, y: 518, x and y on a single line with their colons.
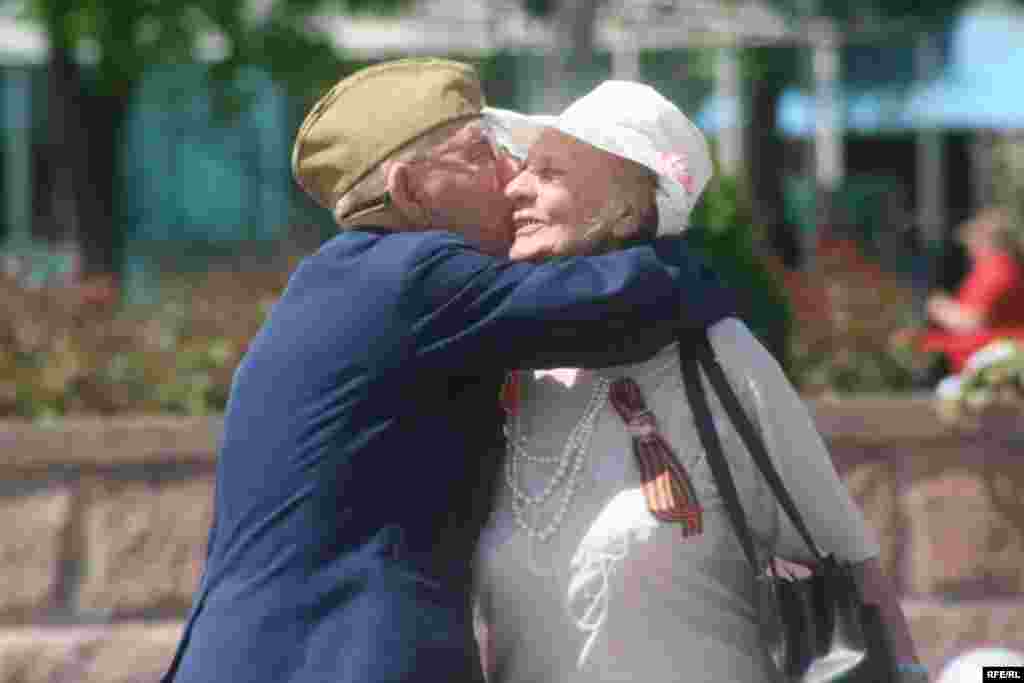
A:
x: 427, y: 472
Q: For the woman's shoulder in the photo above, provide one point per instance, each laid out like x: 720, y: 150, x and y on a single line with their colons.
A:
x: 731, y: 336
x: 742, y: 355
x: 731, y: 339
x: 658, y: 364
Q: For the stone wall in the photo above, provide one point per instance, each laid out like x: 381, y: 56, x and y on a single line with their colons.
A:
x: 101, y: 546
x: 948, y: 506
x: 105, y: 522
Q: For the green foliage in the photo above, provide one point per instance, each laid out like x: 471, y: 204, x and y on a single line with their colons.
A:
x: 782, y: 65
x: 540, y: 8
x: 921, y: 15
x: 131, y: 36
x: 723, y: 231
x: 847, y: 310
x: 73, y: 351
x: 1009, y: 183
x: 829, y: 328
x: 994, y: 380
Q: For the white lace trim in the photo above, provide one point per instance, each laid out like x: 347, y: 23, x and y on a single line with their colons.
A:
x: 605, y: 546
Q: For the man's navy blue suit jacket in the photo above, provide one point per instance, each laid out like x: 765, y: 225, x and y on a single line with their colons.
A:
x: 362, y: 440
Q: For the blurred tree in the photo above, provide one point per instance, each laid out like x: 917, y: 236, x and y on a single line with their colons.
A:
x: 88, y: 98
x: 769, y: 71
x: 570, y: 66
x: 1008, y: 188
x: 874, y: 15
x: 723, y: 231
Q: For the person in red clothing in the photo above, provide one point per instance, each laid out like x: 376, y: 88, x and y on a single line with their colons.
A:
x: 989, y: 303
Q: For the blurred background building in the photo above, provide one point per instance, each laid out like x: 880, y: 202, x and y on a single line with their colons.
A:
x: 142, y: 141
x: 899, y: 126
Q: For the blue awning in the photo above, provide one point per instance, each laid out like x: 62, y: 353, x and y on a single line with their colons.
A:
x: 982, y: 87
x: 984, y: 84
x: 867, y: 111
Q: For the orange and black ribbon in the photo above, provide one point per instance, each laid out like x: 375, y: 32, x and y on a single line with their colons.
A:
x: 667, y: 487
x: 509, y: 394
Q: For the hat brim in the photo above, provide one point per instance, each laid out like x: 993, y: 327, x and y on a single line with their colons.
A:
x: 517, y: 132
x: 361, y: 216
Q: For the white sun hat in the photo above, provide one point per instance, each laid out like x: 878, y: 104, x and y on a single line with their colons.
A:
x: 631, y: 120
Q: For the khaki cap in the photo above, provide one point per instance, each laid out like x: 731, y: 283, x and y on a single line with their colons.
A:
x: 373, y: 113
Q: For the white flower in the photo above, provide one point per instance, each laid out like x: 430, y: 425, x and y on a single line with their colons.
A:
x: 995, y: 352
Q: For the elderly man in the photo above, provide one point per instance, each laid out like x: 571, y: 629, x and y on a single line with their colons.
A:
x: 363, y: 431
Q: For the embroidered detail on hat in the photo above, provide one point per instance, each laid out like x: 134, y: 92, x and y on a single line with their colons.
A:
x: 676, y: 165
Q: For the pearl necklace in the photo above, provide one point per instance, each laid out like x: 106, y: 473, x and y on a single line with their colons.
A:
x: 569, y: 461
x: 569, y: 466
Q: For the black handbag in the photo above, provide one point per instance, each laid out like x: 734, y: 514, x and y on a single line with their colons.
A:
x: 815, y: 628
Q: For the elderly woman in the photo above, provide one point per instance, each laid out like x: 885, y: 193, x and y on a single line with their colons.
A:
x: 989, y: 303
x: 578, y: 580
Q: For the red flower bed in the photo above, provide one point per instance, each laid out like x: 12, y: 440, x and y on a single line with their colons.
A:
x: 845, y: 310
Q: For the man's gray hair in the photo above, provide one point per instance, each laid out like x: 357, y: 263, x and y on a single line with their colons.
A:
x: 375, y: 184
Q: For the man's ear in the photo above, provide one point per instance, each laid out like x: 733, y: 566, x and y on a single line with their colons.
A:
x: 403, y: 196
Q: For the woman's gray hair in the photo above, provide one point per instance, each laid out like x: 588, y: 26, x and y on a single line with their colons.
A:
x: 375, y: 184
x: 632, y: 205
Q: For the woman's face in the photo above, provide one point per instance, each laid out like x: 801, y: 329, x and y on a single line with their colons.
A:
x: 462, y: 183
x: 564, y: 185
x: 981, y: 234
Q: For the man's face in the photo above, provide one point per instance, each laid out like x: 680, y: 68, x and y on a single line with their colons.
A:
x: 562, y: 188
x: 462, y: 183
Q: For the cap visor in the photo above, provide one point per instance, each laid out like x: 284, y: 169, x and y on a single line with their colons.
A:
x: 515, y: 131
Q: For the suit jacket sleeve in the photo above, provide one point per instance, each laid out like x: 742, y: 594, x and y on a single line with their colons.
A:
x: 472, y: 311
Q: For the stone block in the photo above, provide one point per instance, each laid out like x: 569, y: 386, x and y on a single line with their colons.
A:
x: 943, y: 631
x: 31, y: 545
x: 144, y: 543
x: 132, y: 653
x: 127, y: 653
x: 965, y: 518
x: 107, y: 441
x: 880, y: 419
x: 40, y: 655
x: 874, y: 486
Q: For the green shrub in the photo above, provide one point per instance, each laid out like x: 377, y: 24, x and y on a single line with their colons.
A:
x: 78, y: 350
x: 846, y: 311
x: 724, y: 233
x: 71, y: 351
x: 830, y: 327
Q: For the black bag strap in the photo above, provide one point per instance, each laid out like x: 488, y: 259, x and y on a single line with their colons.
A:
x: 705, y: 357
x: 713, y: 447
